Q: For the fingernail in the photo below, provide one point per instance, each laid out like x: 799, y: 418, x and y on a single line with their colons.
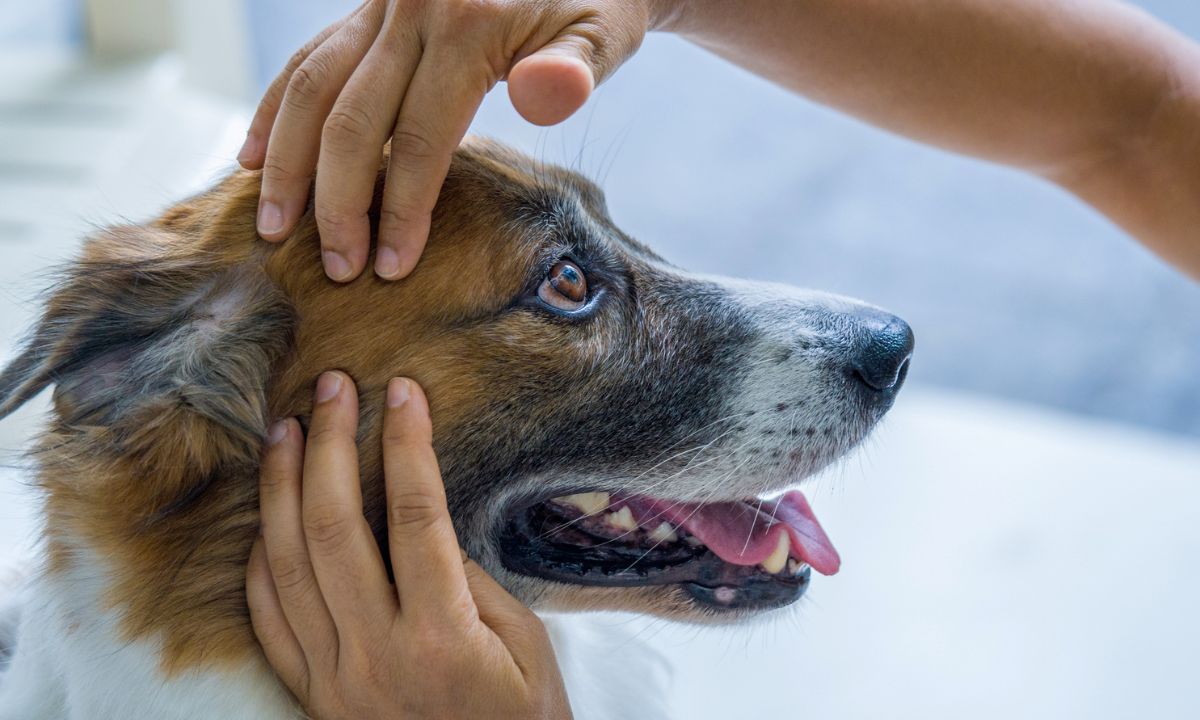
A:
x: 249, y: 149
x: 328, y: 386
x: 270, y: 218
x: 398, y: 392
x: 277, y: 433
x: 337, y: 267
x: 387, y: 263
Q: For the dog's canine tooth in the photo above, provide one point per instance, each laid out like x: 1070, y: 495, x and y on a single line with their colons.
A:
x: 591, y: 503
x: 664, y: 533
x: 778, y: 558
x: 622, y: 520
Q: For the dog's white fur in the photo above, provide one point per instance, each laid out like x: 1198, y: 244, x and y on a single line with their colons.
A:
x: 73, y: 665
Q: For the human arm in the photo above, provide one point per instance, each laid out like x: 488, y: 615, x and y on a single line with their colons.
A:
x: 1096, y: 96
x: 1093, y: 95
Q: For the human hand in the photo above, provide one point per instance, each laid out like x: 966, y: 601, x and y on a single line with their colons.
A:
x: 415, y: 71
x: 446, y: 641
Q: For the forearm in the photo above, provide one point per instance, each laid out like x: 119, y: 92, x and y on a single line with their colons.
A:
x: 1151, y: 186
x: 1068, y: 89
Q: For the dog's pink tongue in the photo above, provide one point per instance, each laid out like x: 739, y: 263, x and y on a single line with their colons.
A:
x: 745, y: 534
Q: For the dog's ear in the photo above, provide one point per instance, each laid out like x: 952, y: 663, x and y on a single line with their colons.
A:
x: 160, y: 353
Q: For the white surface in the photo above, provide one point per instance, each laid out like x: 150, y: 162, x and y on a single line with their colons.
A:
x: 1000, y: 561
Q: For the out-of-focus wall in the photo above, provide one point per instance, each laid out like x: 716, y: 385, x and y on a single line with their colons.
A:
x: 41, y: 23
x: 280, y: 27
x: 1014, y: 288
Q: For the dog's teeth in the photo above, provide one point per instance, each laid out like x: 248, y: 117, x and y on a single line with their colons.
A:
x: 795, y: 567
x: 592, y: 503
x: 664, y: 533
x: 693, y: 541
x: 623, y: 520
x: 778, y: 558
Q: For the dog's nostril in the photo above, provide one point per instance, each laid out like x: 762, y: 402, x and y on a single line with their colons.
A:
x: 882, y: 358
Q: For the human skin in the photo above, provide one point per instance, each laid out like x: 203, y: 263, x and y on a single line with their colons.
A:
x: 1096, y: 96
x: 1093, y: 95
x: 445, y: 641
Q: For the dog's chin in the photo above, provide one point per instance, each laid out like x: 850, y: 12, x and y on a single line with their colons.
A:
x: 714, y: 561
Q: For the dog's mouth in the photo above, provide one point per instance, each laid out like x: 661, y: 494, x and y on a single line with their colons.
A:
x: 741, y: 555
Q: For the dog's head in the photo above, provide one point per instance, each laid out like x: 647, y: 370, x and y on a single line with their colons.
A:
x: 607, y: 423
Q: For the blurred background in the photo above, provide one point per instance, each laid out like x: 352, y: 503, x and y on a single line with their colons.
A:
x: 1019, y: 537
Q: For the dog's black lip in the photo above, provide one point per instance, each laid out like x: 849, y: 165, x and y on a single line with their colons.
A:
x: 755, y: 595
x: 699, y: 573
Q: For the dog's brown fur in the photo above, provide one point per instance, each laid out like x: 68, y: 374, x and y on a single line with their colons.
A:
x: 173, y: 345
x: 127, y: 484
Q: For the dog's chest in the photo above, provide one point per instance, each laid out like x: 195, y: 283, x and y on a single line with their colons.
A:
x: 71, y: 662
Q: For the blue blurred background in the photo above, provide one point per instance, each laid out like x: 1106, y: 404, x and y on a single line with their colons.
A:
x: 1014, y: 288
x: 1019, y: 537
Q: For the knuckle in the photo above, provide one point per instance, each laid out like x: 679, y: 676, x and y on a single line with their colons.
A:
x: 395, y: 435
x: 307, y: 83
x: 276, y: 170
x: 413, y: 144
x: 272, y: 479
x: 271, y: 99
x: 326, y: 434
x: 413, y: 513
x: 291, y: 573
x: 400, y: 213
x: 327, y: 525
x: 332, y: 220
x: 348, y: 126
x: 602, y: 46
x: 297, y: 58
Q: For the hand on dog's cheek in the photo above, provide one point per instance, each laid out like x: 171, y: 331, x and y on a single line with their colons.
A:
x: 414, y: 73
x: 446, y: 641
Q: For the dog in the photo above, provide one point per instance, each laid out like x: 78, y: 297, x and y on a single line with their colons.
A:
x: 613, y: 432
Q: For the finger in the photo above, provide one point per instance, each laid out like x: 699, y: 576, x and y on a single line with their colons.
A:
x: 351, y: 145
x: 294, y: 143
x: 548, y: 86
x: 504, y: 614
x: 254, y: 149
x: 441, y: 101
x: 295, y: 583
x: 270, y: 624
x: 426, y: 559
x: 345, y: 557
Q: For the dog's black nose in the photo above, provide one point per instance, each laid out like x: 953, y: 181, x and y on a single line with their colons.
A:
x: 885, y: 346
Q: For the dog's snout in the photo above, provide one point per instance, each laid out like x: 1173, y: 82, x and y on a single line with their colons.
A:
x: 880, y: 360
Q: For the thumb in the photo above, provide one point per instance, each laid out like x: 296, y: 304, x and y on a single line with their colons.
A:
x: 548, y: 86
x: 517, y: 627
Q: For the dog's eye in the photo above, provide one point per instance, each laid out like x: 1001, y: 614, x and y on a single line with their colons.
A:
x: 565, y: 287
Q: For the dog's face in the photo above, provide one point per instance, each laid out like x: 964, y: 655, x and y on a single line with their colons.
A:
x: 607, y: 423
